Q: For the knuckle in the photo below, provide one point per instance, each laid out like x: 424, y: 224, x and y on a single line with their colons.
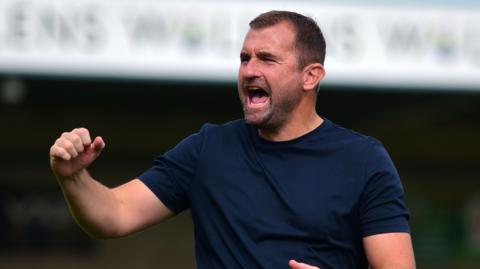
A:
x: 75, y: 138
x: 59, y: 141
x: 83, y: 130
x: 69, y: 147
x: 80, y: 130
x: 83, y: 134
x: 52, y: 150
x: 57, y: 152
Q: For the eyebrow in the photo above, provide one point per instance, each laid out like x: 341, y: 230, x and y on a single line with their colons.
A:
x: 262, y: 55
x: 266, y: 55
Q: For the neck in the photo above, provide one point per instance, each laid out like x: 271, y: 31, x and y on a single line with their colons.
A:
x: 294, y: 128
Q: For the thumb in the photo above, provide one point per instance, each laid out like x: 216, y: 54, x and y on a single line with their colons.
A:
x: 298, y: 265
x: 97, y: 145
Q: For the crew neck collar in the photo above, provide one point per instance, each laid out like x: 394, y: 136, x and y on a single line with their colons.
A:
x: 262, y: 141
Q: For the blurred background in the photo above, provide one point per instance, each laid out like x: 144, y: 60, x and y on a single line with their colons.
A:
x: 145, y: 74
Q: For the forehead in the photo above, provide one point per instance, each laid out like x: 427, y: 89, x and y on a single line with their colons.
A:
x: 276, y: 37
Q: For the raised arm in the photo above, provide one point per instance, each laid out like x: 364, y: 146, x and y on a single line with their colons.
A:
x: 100, y: 211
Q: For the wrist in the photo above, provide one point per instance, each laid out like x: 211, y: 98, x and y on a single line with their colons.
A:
x: 76, y: 178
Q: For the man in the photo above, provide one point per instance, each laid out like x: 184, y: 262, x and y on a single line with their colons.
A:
x: 281, y: 188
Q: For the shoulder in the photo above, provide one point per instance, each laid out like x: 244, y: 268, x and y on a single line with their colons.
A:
x: 231, y: 125
x: 210, y: 129
x: 349, y: 139
x: 214, y: 135
x: 209, y: 135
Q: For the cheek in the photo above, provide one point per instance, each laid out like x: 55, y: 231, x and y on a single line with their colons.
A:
x: 239, y: 84
x: 286, y: 82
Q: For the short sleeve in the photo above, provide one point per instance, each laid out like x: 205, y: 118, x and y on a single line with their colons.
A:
x: 172, y: 173
x: 382, y: 207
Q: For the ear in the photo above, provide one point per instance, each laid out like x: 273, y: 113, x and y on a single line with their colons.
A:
x: 312, y: 74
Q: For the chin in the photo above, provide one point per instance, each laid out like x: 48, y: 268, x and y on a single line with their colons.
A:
x: 262, y: 119
x: 254, y: 121
x: 263, y: 123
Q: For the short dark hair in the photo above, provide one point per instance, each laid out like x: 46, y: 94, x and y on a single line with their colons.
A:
x: 309, y: 40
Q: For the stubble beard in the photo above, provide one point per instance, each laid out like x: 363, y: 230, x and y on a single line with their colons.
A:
x: 276, y: 116
x: 259, y: 119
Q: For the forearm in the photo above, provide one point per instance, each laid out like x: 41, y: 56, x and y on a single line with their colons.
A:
x: 92, y: 204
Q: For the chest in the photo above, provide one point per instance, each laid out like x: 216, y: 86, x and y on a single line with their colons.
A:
x: 310, y: 194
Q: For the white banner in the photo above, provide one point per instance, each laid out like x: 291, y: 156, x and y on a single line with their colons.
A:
x: 401, y: 46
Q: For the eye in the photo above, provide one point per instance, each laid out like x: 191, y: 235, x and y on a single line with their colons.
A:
x: 267, y: 57
x: 244, y: 57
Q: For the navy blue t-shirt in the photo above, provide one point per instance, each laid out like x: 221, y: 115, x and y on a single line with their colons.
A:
x: 257, y: 203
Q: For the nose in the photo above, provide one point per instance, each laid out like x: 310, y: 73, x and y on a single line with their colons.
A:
x: 250, y: 68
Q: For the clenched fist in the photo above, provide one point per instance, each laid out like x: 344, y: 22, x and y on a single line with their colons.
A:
x: 74, y: 151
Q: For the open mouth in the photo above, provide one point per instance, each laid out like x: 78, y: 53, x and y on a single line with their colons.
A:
x: 257, y: 96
